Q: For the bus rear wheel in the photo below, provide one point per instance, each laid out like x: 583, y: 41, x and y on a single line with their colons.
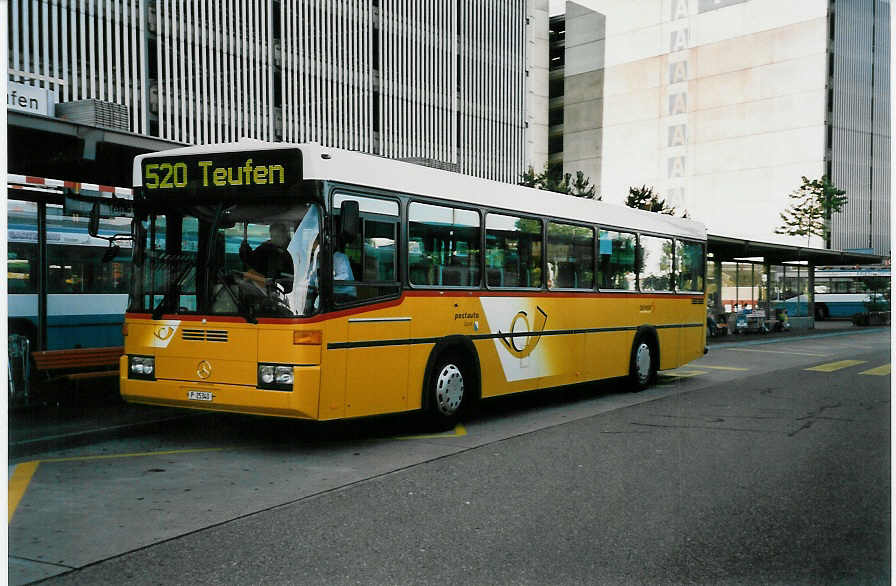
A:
x: 447, y: 391
x: 643, y: 365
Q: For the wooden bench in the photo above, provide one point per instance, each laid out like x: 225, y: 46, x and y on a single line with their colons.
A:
x: 101, y: 362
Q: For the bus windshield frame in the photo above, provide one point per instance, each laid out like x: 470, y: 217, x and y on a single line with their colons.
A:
x: 235, y: 258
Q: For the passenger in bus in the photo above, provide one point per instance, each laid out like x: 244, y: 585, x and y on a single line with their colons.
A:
x: 342, y: 271
x: 271, y: 259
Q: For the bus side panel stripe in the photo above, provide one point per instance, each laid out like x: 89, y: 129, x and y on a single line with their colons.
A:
x: 410, y: 341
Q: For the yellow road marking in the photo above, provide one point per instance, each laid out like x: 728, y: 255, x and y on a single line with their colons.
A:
x: 133, y: 455
x: 776, y: 351
x: 832, y: 366
x: 879, y: 371
x: 458, y: 431
x: 21, y: 476
x: 723, y: 367
x: 18, y: 484
x: 670, y: 377
x: 686, y: 373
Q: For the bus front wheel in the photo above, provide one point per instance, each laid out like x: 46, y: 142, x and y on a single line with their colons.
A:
x: 643, y: 364
x: 447, y: 391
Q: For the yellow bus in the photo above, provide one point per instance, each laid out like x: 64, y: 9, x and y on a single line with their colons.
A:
x: 311, y: 282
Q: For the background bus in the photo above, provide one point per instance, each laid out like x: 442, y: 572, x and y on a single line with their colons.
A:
x: 842, y: 292
x: 86, y: 298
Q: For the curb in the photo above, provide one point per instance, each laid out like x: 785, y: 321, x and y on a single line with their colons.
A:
x: 766, y: 340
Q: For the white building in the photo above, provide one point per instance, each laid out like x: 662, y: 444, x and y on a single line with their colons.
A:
x: 455, y: 84
x: 723, y: 105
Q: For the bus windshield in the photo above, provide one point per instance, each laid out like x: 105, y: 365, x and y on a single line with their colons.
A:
x: 247, y: 259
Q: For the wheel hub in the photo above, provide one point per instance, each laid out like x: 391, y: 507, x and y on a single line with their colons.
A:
x: 642, y: 363
x: 449, y: 389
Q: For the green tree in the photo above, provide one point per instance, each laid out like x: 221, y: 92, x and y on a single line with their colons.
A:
x: 813, y: 205
x: 645, y: 198
x: 530, y: 178
x: 878, y: 294
x: 581, y: 187
x: 552, y: 178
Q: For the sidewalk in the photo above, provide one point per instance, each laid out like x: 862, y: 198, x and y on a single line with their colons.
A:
x: 40, y: 429
x: 821, y: 327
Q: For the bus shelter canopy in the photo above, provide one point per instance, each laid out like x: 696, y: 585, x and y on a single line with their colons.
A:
x: 727, y: 248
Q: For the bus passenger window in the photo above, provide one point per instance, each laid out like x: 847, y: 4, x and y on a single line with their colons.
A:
x: 443, y: 246
x: 655, y: 272
x: 365, y: 266
x: 570, y: 256
x: 691, y: 265
x: 616, y: 260
x: 21, y: 259
x: 512, y: 251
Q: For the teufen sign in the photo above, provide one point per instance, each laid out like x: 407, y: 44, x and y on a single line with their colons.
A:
x: 31, y: 99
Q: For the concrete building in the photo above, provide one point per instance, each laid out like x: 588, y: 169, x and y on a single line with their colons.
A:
x: 723, y: 105
x: 461, y: 85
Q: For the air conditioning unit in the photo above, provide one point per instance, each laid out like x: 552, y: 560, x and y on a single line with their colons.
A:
x: 95, y: 113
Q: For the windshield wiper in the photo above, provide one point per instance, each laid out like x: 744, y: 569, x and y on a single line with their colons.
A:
x: 175, y: 285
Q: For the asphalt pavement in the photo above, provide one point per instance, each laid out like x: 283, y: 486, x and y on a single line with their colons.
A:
x: 766, y: 461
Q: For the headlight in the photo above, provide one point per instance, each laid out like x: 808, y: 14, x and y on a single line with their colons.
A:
x: 284, y: 375
x: 142, y: 367
x: 275, y: 377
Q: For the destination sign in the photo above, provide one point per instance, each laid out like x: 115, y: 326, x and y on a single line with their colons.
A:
x: 223, y: 175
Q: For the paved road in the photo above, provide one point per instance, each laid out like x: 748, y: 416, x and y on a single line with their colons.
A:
x: 758, y: 463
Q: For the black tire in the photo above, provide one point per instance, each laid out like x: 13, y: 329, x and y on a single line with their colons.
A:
x: 821, y: 312
x: 642, y: 365
x: 448, y: 391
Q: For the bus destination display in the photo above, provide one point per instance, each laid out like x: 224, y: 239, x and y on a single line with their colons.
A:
x: 216, y: 175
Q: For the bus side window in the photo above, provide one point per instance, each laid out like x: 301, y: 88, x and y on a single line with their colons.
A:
x: 372, y: 254
x: 513, y: 253
x: 443, y: 249
x: 656, y: 263
x: 691, y: 265
x: 571, y: 256
x: 20, y: 262
x: 616, y: 265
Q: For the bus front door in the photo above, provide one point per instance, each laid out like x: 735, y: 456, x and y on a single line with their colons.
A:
x: 377, y: 366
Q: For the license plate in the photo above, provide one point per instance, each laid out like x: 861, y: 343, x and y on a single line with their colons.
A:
x: 199, y: 396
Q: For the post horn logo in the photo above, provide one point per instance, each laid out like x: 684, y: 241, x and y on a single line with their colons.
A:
x: 522, y: 340
x: 204, y: 369
x: 164, y: 332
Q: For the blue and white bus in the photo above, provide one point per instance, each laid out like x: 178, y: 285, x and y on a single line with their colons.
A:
x: 86, y: 298
x: 842, y: 292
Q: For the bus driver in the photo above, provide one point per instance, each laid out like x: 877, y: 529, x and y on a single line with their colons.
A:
x: 271, y: 258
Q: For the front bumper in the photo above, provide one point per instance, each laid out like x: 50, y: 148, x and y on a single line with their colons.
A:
x: 301, y: 402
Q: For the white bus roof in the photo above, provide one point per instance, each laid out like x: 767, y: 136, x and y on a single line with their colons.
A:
x: 379, y: 172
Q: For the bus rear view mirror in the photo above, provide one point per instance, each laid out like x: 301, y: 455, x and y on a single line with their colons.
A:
x: 93, y: 225
x: 351, y: 220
